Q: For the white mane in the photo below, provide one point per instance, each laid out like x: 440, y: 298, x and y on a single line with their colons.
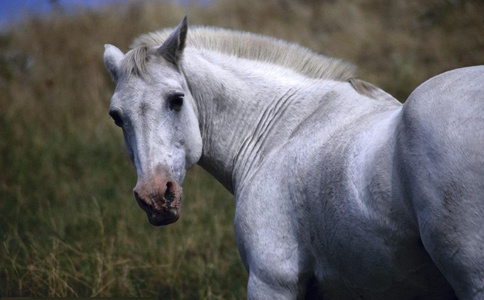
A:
x: 245, y: 45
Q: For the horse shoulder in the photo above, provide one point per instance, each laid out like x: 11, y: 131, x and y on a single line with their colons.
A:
x: 266, y: 235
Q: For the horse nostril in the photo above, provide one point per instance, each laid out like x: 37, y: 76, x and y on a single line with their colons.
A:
x: 141, y: 202
x: 170, y: 191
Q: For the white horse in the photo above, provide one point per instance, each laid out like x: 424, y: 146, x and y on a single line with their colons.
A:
x: 341, y: 192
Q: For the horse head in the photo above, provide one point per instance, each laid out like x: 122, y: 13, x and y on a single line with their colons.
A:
x: 156, y: 111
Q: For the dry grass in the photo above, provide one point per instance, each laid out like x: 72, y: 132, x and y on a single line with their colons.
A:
x: 68, y: 223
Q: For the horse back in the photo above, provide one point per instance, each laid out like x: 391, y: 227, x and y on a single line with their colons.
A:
x: 441, y: 135
x: 441, y: 157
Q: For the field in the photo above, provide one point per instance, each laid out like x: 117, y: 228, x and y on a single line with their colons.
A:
x: 69, y: 225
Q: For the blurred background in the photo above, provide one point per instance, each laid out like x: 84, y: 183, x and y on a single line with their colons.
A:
x: 69, y: 225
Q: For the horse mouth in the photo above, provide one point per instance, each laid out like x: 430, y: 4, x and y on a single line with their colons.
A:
x: 162, y: 210
x: 163, y: 218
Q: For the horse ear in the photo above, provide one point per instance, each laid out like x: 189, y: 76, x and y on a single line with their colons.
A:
x: 112, y: 60
x: 172, y: 48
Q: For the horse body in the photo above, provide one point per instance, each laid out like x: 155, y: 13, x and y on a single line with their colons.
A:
x: 341, y: 192
x: 327, y: 203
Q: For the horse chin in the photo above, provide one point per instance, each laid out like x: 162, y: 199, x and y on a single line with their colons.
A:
x: 163, y: 218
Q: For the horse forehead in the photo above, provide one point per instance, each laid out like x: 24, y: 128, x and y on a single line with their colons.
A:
x: 131, y: 91
x: 154, y: 83
x: 136, y: 89
x: 159, y: 68
x: 126, y: 94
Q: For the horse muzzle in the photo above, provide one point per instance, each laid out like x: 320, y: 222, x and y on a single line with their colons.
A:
x: 160, y: 198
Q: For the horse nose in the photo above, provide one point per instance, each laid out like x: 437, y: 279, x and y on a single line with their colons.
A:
x: 160, y: 199
x: 151, y: 193
x: 170, y: 190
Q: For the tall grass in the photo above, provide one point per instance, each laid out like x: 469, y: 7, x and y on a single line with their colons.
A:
x: 68, y: 223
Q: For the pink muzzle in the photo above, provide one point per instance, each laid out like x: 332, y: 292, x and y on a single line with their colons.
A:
x: 160, y: 197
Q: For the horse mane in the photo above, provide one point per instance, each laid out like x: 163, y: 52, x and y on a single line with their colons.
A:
x: 244, y: 45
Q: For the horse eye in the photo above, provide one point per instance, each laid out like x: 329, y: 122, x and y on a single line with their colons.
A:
x: 176, y: 101
x: 116, y: 117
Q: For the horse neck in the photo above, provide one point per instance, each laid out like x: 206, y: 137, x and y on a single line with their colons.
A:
x: 226, y: 112
x: 240, y: 106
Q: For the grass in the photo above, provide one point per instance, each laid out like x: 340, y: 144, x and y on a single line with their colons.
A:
x: 69, y: 225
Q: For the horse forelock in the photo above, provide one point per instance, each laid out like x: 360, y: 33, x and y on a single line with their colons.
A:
x: 135, y: 61
x: 245, y: 45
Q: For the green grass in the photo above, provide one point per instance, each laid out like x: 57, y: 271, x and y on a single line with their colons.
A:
x: 69, y: 225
